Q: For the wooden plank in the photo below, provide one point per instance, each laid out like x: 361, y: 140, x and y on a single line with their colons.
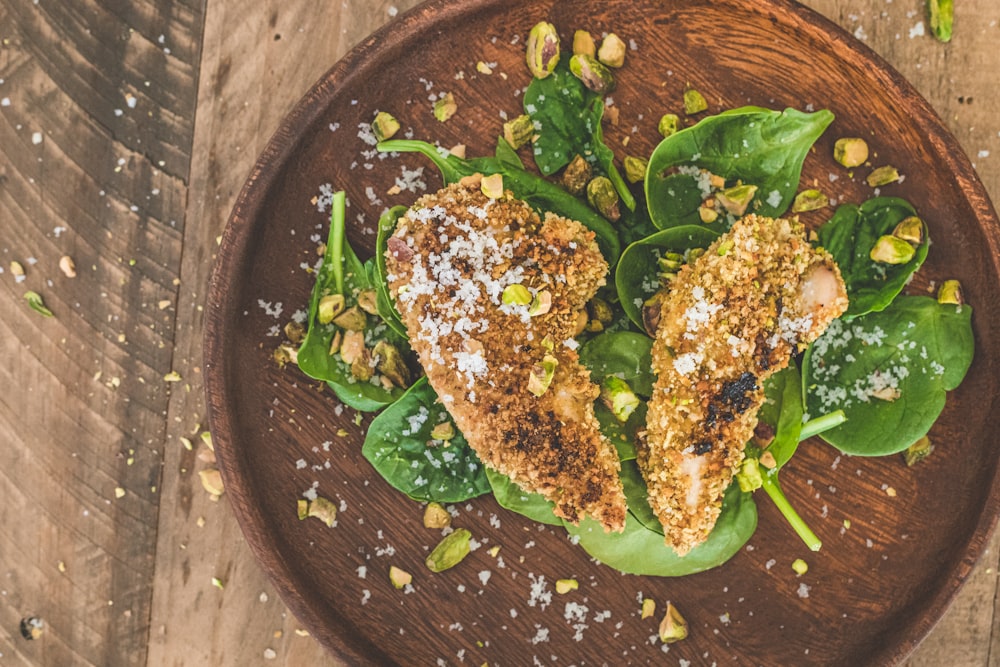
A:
x: 95, y: 131
x: 258, y: 58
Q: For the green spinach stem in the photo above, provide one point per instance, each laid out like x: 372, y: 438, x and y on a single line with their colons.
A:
x: 820, y: 424
x: 337, y: 224
x: 775, y: 493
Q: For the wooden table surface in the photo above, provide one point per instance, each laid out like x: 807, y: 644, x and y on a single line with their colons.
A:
x: 126, y: 130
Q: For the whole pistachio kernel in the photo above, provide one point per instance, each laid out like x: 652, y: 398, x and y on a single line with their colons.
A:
x: 603, y: 197
x: 324, y: 510
x: 668, y: 125
x: 850, y: 151
x: 891, y: 250
x: 635, y: 168
x: 910, y: 229
x: 436, y: 516
x: 612, y: 51
x: 390, y: 363
x: 329, y: 307
x: 384, y: 126
x: 583, y: 43
x: 445, y: 107
x: 542, y: 51
x: 809, y: 200
x: 352, y: 319
x: 882, y: 176
x: 918, y: 451
x: 673, y: 627
x: 450, y: 551
x: 694, y: 102
x: 594, y: 75
x: 576, y: 175
x: 443, y: 431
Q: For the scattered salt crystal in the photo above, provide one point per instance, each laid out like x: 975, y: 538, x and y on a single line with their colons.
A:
x: 917, y: 30
x: 36, y: 138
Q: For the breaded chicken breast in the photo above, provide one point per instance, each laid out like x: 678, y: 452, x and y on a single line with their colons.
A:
x: 490, y: 294
x: 732, y: 318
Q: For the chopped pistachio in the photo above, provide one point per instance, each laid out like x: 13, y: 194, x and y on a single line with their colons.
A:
x: 329, y: 307
x: 302, y: 509
x: 450, y: 551
x: 399, y: 578
x: 67, y: 266
x: 483, y: 68
x: 723, y: 248
x: 951, y: 292
x: 694, y: 102
x: 436, y: 516
x: 295, y: 332
x: 542, y: 51
x: 218, y: 583
x: 910, y: 229
x: 368, y: 301
x: 541, y: 304
x: 604, y: 198
x: 618, y: 396
x: 17, y: 268
x: 669, y: 124
x: 612, y: 51
x: 443, y: 431
x: 172, y: 376
x: 541, y: 375
x: 707, y: 215
x: 737, y: 198
x: 918, y: 451
x: 670, y: 262
x: 887, y: 394
x: 809, y: 200
x: 600, y: 310
x: 36, y: 303
x: 673, y: 627
x: 800, y: 566
x: 390, y: 362
x: 576, y: 175
x: 882, y: 176
x: 940, y: 16
x: 583, y: 43
x: 518, y: 131
x: 352, y: 347
x: 594, y: 75
x: 749, y: 477
x: 384, y: 126
x: 458, y: 150
x: 361, y: 367
x: 335, y: 341
x: 767, y: 460
x: 564, y: 586
x: 324, y: 510
x: 635, y: 168
x: 891, y: 250
x: 648, y: 608
x: 850, y: 151
x: 492, y: 186
x: 651, y: 308
x: 516, y: 294
x: 211, y: 480
x: 206, y: 437
x: 188, y: 445
x: 352, y: 319
x: 445, y: 107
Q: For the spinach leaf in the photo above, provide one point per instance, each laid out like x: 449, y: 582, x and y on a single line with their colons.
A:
x: 783, y: 410
x: 341, y: 272
x: 540, y: 194
x: 640, y: 550
x: 505, y: 154
x: 386, y: 308
x: 756, y: 146
x: 400, y: 447
x: 512, y: 497
x: 637, y: 274
x: 889, y: 371
x: 623, y: 353
x: 850, y: 236
x: 567, y: 118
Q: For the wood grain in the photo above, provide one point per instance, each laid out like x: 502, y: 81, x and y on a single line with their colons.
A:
x: 83, y: 412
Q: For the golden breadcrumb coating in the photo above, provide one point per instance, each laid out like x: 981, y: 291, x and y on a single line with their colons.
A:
x: 759, y: 294
x: 448, y: 263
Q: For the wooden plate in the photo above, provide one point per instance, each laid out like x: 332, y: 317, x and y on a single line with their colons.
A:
x: 876, y: 587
